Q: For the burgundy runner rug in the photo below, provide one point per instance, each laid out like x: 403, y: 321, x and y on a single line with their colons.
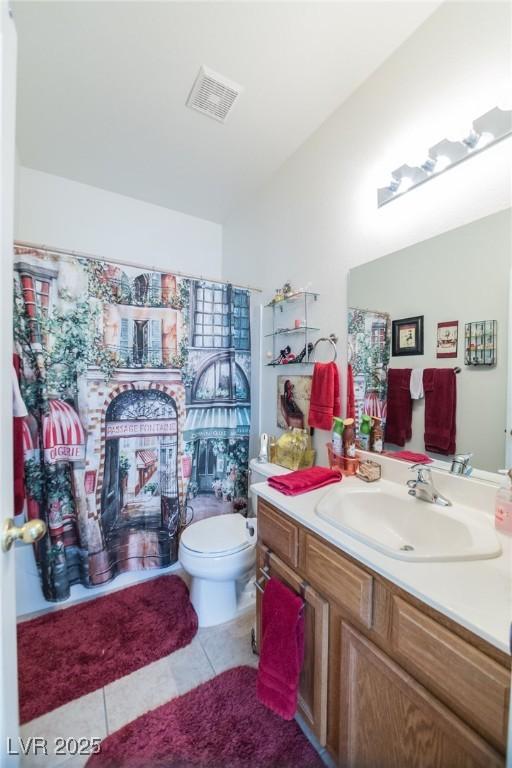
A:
x: 220, y: 724
x: 74, y: 651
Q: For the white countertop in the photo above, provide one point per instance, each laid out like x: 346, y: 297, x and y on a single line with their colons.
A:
x: 477, y: 594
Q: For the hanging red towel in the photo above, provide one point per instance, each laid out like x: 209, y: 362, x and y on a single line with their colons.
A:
x: 351, y: 398
x: 440, y: 385
x: 399, y: 406
x: 304, y: 480
x: 325, y: 400
x: 282, y: 649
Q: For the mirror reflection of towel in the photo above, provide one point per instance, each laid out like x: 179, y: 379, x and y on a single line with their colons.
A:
x: 399, y: 406
x: 440, y: 409
x: 416, y: 386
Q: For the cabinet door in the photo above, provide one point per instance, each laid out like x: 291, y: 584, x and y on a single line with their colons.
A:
x: 388, y: 720
x: 313, y: 681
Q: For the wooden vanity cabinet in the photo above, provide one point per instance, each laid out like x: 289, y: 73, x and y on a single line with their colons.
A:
x: 388, y: 720
x: 387, y: 681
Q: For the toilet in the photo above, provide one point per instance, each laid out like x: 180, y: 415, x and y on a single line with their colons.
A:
x: 219, y: 554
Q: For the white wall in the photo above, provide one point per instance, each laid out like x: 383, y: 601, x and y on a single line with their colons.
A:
x: 317, y: 216
x: 61, y: 213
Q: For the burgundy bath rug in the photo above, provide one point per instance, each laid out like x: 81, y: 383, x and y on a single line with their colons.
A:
x: 73, y: 651
x: 220, y: 724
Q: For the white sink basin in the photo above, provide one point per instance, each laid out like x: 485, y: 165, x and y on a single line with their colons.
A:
x: 386, y: 518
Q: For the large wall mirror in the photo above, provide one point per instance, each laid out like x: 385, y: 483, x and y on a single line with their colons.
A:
x: 428, y: 344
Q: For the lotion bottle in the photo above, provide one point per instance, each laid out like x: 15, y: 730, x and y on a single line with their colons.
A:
x: 503, y: 512
x: 337, y: 435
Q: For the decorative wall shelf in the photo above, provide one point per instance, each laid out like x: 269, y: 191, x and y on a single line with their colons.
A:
x: 286, y: 365
x: 292, y: 297
x: 304, y: 331
x: 480, y: 343
x: 285, y: 331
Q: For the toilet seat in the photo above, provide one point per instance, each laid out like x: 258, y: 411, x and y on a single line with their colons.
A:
x: 217, y: 536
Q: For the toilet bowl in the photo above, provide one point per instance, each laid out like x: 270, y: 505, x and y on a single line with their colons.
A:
x: 217, y: 553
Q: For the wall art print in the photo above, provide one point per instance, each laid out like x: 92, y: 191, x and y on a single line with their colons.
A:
x: 447, y: 339
x: 293, y: 397
x: 369, y: 349
x: 137, y: 387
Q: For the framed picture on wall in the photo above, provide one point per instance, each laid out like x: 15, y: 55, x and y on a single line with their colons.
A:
x: 447, y: 339
x: 408, y: 336
x: 293, y: 396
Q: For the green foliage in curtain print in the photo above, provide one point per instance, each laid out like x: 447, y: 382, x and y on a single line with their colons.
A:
x: 76, y: 345
x: 368, y: 358
x: 113, y: 286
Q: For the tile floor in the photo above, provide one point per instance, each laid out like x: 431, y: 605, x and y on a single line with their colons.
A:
x: 212, y: 651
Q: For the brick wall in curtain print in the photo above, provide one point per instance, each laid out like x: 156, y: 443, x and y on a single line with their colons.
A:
x: 137, y: 387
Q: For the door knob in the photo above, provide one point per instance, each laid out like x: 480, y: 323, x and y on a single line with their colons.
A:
x: 28, y: 533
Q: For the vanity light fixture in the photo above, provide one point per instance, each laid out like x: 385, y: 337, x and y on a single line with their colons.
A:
x: 487, y: 130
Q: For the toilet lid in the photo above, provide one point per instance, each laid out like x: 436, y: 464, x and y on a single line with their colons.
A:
x: 218, y: 535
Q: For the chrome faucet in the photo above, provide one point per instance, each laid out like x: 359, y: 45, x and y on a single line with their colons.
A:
x: 461, y: 464
x: 423, y: 487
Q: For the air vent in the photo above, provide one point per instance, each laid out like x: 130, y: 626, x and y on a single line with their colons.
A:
x: 213, y: 94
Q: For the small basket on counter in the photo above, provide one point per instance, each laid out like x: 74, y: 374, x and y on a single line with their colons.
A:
x: 343, y: 464
x: 369, y: 471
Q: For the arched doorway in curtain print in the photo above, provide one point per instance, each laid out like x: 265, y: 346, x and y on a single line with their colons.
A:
x: 139, y: 499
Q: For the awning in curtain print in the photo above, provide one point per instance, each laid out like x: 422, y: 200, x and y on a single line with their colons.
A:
x: 137, y: 387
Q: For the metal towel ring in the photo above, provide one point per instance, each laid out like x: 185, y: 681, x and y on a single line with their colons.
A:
x: 332, y: 339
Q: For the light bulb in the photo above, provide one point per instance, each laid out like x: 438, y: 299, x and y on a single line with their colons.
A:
x: 484, y: 139
x: 442, y: 162
x: 405, y: 184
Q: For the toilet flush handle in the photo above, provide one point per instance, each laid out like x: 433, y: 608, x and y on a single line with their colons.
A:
x: 251, y: 523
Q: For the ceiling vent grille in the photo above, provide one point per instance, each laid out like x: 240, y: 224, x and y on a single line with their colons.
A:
x: 213, y: 94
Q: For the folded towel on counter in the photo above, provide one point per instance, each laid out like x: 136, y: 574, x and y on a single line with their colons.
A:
x: 282, y: 649
x: 304, y: 480
x: 325, y: 402
x: 410, y: 456
x: 416, y: 384
x: 399, y: 406
x: 440, y: 386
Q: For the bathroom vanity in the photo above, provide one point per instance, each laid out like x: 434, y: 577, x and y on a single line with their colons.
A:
x: 404, y: 665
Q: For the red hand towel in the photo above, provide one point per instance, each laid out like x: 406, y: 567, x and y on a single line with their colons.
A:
x: 325, y: 402
x: 440, y: 385
x: 351, y: 398
x: 282, y: 649
x: 399, y: 406
x: 304, y: 480
x: 410, y: 456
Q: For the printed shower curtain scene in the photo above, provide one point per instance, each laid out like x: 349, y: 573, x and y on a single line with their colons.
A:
x: 137, y: 390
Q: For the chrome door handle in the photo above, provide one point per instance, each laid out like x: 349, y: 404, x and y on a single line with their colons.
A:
x: 28, y: 533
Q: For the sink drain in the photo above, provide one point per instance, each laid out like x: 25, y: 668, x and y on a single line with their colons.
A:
x: 407, y: 548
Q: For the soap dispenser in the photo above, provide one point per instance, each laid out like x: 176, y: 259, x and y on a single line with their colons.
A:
x: 503, y: 513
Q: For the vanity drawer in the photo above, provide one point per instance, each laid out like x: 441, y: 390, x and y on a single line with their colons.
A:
x: 338, y: 578
x: 278, y: 533
x: 472, y: 684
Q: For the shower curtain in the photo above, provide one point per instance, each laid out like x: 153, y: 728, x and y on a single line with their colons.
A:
x: 369, y: 349
x: 137, y: 389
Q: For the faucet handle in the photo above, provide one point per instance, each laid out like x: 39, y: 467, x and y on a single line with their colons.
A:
x: 424, y: 473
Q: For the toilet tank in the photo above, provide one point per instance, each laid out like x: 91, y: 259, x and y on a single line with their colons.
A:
x: 258, y: 473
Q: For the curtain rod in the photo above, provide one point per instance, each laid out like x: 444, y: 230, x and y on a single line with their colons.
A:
x: 138, y: 265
